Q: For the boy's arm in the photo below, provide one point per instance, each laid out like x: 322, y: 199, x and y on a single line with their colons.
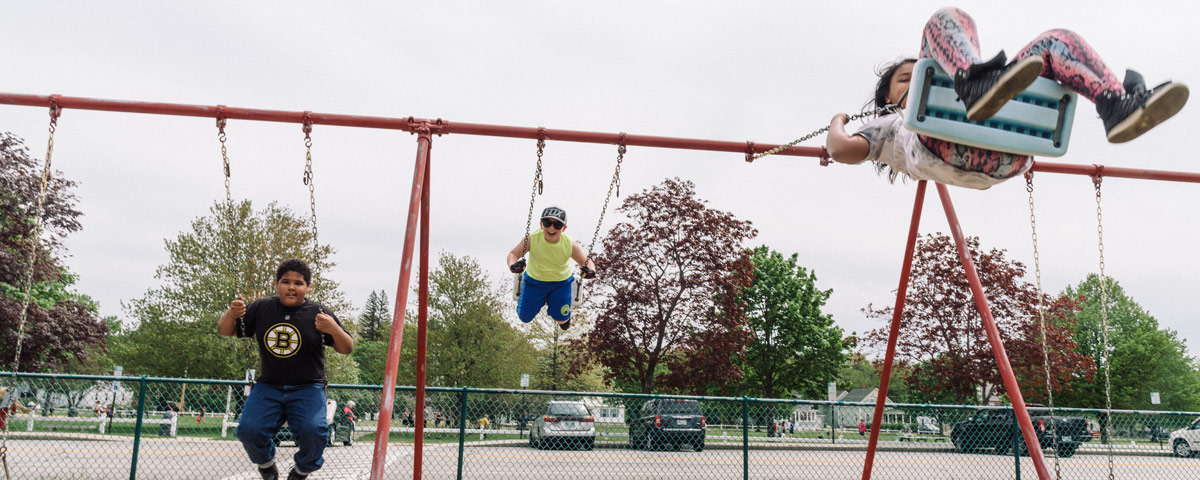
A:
x: 516, y: 253
x: 580, y: 257
x: 237, y: 309
x: 342, y: 343
x: 842, y: 147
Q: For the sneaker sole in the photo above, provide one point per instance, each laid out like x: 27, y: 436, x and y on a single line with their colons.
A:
x: 1013, y: 82
x: 1164, y: 104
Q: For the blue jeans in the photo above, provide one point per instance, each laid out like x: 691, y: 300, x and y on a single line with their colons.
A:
x: 556, y: 296
x: 303, y: 406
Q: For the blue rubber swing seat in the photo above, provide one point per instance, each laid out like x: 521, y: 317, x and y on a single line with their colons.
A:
x: 1037, y: 122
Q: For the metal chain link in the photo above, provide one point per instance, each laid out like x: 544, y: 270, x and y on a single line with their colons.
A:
x: 308, y: 174
x: 537, y: 187
x: 55, y: 111
x: 1041, y: 309
x: 224, y: 152
x: 890, y: 108
x: 615, y: 183
x: 1096, y: 181
x: 228, y: 203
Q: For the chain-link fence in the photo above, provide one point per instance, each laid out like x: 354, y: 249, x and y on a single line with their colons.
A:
x: 102, y: 427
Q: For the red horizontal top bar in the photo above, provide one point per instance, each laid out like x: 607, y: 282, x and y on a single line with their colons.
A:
x: 439, y: 126
x: 407, y: 124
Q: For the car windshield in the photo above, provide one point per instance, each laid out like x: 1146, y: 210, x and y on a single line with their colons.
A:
x: 573, y: 409
x: 686, y: 407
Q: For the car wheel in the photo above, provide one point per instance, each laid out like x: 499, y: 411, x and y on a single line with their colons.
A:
x: 589, y: 444
x: 960, y: 444
x: 699, y: 447
x: 532, y: 443
x: 1182, y: 449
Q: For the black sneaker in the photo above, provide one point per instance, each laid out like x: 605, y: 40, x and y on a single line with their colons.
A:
x: 565, y: 325
x: 269, y: 473
x: 986, y: 87
x: 293, y: 475
x: 1126, y: 116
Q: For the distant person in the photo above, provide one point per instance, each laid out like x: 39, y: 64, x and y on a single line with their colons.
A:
x: 483, y: 423
x: 9, y: 406
x: 291, y: 334
x: 862, y: 428
x: 547, y: 281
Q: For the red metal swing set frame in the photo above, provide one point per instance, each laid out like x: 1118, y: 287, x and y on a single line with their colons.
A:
x: 418, y: 210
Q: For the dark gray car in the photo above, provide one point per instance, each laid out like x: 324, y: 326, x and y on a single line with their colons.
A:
x: 668, y: 422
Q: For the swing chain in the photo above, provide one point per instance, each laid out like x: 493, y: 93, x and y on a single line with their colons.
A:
x: 1037, y: 269
x: 537, y: 186
x: 1097, y: 179
x: 889, y: 109
x: 224, y: 151
x: 308, y: 173
x: 615, y: 183
x: 55, y: 111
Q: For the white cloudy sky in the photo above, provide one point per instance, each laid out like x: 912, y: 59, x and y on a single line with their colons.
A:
x: 748, y: 70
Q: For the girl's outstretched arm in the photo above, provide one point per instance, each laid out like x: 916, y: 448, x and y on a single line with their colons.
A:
x: 845, y: 148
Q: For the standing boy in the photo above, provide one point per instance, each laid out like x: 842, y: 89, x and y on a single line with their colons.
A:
x: 291, y: 334
x: 547, y: 281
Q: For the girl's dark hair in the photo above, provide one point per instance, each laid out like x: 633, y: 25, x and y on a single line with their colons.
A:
x: 294, y: 265
x: 882, y: 88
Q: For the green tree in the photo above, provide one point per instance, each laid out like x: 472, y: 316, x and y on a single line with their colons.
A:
x: 375, y: 319
x: 470, y: 342
x: 794, y: 347
x: 61, y: 326
x: 1144, y: 358
x: 232, y: 251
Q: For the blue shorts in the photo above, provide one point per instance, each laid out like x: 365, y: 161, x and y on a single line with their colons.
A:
x: 556, y: 296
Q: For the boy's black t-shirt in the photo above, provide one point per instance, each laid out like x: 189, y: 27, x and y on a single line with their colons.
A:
x: 291, y: 351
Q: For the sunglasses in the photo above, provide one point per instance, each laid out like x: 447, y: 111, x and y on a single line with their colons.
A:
x: 552, y: 223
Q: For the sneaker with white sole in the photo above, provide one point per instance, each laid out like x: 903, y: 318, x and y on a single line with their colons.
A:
x: 1129, y: 114
x: 985, y: 87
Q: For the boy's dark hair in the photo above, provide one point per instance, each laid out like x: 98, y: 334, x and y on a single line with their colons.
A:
x: 294, y: 265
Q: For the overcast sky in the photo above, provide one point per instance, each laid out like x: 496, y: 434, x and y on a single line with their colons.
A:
x: 748, y: 70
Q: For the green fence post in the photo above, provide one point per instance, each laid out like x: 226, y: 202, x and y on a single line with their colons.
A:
x: 1017, y: 440
x: 462, y: 428
x: 137, y: 429
x: 745, y: 438
x: 832, y: 423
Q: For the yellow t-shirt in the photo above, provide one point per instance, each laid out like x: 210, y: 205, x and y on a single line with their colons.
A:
x: 549, y: 262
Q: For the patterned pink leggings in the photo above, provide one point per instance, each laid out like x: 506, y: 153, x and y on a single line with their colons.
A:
x: 949, y: 37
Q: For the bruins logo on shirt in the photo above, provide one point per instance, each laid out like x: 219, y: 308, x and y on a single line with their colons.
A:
x: 565, y: 310
x: 282, y: 340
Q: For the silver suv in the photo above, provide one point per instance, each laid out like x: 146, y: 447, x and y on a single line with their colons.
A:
x: 563, y: 423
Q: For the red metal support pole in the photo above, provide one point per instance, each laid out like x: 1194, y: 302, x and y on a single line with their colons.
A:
x: 993, y: 336
x: 897, y: 314
x: 388, y: 397
x: 422, y: 324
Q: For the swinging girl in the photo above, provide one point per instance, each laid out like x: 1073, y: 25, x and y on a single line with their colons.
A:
x: 1128, y: 109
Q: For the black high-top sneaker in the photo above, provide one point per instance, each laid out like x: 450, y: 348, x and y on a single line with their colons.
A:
x: 565, y: 325
x: 294, y: 475
x: 1129, y: 114
x: 986, y: 87
x: 269, y: 473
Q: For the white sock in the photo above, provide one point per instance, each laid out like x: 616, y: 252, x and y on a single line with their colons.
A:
x: 298, y: 472
x: 267, y: 465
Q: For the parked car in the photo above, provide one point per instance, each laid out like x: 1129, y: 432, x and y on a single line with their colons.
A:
x: 668, y: 422
x: 1185, y: 442
x: 928, y: 425
x: 997, y: 429
x: 562, y: 424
